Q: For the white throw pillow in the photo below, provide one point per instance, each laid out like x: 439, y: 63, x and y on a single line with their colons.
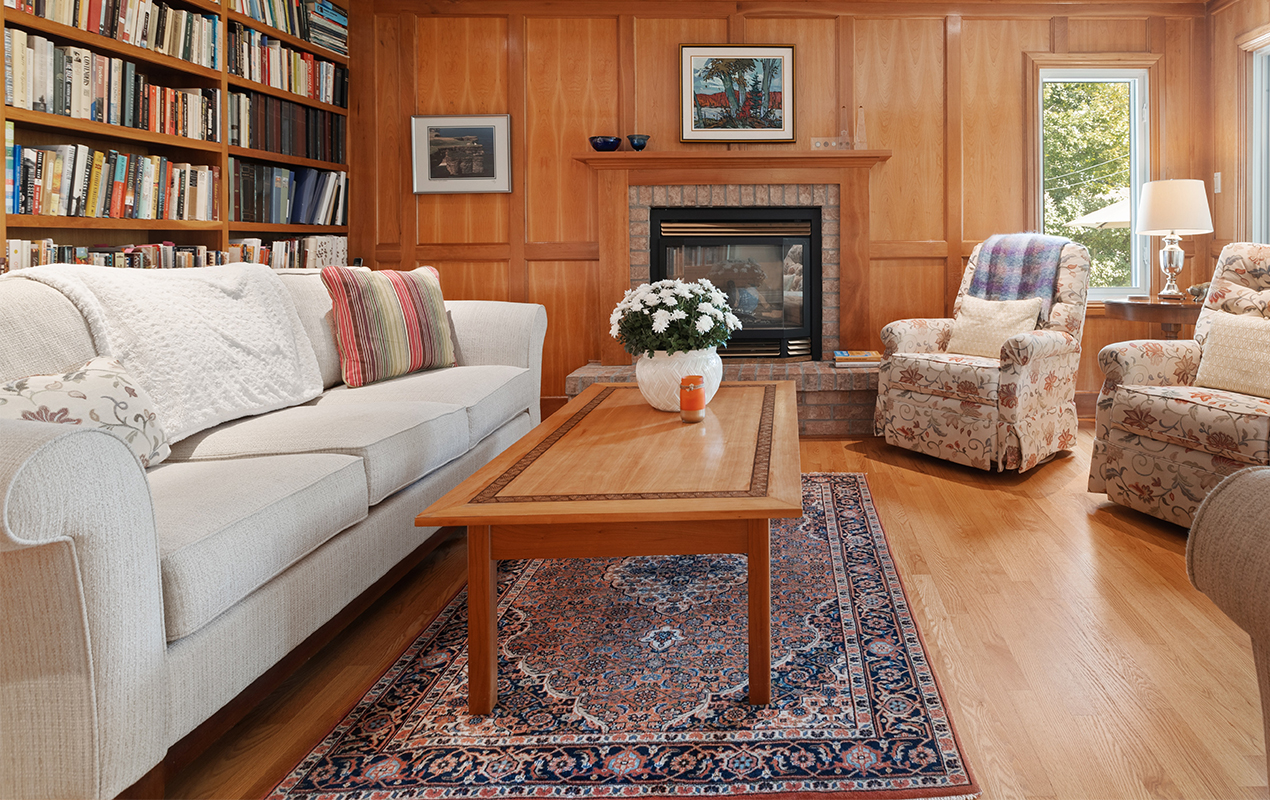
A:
x: 98, y: 395
x: 982, y: 326
x: 1237, y: 355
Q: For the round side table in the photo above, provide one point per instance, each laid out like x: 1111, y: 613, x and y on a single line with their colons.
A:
x: 1170, y: 316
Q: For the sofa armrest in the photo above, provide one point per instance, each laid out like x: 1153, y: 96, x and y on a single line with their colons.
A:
x: 491, y: 332
x: 1228, y: 550
x: 82, y: 649
x: 916, y: 336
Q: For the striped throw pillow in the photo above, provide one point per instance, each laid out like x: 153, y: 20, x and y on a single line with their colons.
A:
x: 388, y: 322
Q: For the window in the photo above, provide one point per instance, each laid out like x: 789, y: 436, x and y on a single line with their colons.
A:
x: 1259, y: 157
x: 1094, y: 161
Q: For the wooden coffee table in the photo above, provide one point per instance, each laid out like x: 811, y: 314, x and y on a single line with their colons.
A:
x: 608, y: 476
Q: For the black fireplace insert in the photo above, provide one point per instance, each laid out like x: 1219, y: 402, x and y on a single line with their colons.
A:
x: 767, y: 262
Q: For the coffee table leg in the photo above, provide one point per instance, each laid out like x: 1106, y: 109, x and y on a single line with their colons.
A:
x: 482, y: 622
x: 760, y: 591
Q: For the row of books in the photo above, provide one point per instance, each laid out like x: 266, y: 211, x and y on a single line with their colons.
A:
x: 187, y: 35
x: 263, y: 122
x: 76, y: 82
x: 308, y: 252
x: 264, y: 59
x: 328, y: 26
x: 278, y: 195
x: 318, y: 21
x: 22, y: 253
x: 77, y: 181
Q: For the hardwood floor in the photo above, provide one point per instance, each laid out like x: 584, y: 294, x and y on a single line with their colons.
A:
x: 1076, y: 659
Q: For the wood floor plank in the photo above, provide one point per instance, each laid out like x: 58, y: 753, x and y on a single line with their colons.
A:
x: 1076, y: 659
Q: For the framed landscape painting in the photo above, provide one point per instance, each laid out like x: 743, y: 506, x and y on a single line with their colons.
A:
x: 736, y: 93
x: 460, y: 155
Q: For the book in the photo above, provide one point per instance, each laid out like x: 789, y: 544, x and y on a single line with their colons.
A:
x: 841, y: 357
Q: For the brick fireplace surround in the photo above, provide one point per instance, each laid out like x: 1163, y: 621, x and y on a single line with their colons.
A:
x: 831, y: 401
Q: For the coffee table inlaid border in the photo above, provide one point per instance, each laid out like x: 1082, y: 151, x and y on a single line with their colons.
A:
x: 758, y: 474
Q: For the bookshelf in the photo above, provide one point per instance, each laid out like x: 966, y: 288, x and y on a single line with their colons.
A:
x: 316, y: 82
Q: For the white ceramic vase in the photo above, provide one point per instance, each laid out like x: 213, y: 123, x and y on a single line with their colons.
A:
x: 659, y: 376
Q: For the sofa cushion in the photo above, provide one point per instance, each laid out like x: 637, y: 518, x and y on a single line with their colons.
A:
x: 388, y: 323
x: 99, y: 394
x: 1228, y: 424
x: 492, y: 394
x: 226, y: 528
x: 399, y: 442
x: 41, y: 330
x: 972, y: 379
x: 313, y: 304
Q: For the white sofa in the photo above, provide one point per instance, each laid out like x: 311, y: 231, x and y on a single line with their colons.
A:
x: 137, y: 603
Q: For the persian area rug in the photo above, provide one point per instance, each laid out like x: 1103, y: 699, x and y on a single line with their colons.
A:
x: 626, y: 678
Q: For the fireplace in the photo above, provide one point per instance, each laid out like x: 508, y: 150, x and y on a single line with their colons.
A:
x: 767, y: 262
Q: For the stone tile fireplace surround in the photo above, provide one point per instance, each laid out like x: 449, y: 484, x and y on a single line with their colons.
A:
x: 831, y: 401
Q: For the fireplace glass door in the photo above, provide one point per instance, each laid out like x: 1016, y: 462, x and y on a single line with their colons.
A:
x: 763, y: 267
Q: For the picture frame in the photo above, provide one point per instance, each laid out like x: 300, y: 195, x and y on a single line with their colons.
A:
x: 461, y: 154
x: 736, y: 93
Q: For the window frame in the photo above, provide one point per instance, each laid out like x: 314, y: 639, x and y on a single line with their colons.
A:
x: 1140, y: 67
x: 1259, y: 146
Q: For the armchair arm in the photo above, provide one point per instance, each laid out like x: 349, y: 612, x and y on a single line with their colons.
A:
x: 1024, y: 348
x: 916, y: 336
x: 1149, y: 362
x: 491, y: 332
x: 1037, y: 369
x: 83, y: 676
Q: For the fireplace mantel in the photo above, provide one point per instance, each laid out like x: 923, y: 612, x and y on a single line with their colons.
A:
x: 617, y: 172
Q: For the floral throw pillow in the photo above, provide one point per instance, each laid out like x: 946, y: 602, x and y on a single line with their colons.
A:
x: 388, y: 322
x: 98, y: 395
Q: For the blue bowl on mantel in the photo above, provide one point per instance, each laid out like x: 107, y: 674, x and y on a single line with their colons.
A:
x: 638, y: 140
x: 605, y: 144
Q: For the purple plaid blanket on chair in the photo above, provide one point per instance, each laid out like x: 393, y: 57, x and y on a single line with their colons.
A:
x: 1017, y: 266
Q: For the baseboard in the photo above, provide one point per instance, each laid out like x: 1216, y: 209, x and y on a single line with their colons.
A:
x: 183, y: 753
x: 1086, y: 405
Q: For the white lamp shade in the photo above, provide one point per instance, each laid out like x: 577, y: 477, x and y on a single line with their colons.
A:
x: 1178, y: 207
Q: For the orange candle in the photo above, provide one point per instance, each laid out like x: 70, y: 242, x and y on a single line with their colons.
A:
x: 692, y: 398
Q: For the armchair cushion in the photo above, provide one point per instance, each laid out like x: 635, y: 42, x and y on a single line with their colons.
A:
x: 1227, y: 424
x: 981, y: 327
x: 1237, y: 355
x: 969, y: 379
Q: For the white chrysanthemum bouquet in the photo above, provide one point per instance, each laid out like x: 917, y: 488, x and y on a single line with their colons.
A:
x: 673, y: 316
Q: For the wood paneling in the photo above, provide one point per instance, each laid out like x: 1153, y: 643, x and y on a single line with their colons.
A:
x: 461, y: 68
x: 1085, y: 35
x: 657, y: 65
x: 570, y: 94
x: 392, y: 132
x: 904, y: 289
x: 993, y: 108
x: 815, y: 44
x: 897, y: 64
x: 576, y: 317
x: 471, y: 280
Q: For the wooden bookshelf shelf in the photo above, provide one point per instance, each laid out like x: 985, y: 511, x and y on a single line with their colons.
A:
x: 286, y: 38
x: 46, y: 131
x: 24, y: 221
x: 105, y: 44
x: 263, y: 88
x: 39, y: 119
x: 287, y: 230
x: 299, y: 161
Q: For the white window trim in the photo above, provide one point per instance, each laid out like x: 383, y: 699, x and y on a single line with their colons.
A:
x: 1139, y: 168
x: 1259, y: 150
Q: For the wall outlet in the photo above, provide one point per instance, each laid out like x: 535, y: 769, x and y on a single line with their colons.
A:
x: 834, y: 143
x: 1216, y: 183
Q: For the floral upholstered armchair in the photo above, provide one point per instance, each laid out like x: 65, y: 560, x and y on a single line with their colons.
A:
x: 1162, y: 443
x: 1014, y: 411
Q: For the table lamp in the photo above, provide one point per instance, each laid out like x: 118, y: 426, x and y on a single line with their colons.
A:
x: 1173, y: 209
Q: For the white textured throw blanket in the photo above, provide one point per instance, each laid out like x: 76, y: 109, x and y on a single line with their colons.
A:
x: 209, y: 344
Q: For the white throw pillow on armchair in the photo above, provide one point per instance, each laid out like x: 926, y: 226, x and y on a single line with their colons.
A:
x: 981, y: 326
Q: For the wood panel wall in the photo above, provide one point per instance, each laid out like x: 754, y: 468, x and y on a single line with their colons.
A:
x: 943, y: 88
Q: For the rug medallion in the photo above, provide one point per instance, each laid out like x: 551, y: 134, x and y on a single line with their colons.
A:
x: 627, y: 677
